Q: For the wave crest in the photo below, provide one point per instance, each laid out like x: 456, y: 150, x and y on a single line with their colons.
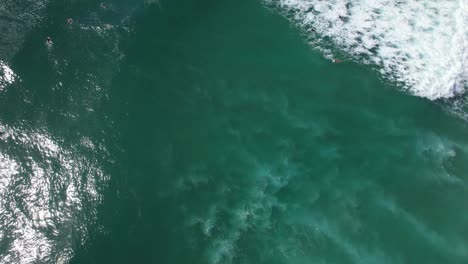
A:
x: 421, y: 45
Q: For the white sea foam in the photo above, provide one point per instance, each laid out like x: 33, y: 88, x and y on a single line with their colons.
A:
x: 421, y: 45
x: 253, y: 211
x: 7, y: 76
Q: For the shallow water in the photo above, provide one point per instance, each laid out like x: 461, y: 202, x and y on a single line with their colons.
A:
x: 219, y: 132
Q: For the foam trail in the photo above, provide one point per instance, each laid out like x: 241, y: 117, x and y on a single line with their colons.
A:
x: 421, y: 45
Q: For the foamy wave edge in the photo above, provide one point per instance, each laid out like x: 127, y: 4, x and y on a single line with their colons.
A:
x: 420, y: 45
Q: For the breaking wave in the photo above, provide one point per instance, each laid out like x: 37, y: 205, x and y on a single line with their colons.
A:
x: 420, y: 45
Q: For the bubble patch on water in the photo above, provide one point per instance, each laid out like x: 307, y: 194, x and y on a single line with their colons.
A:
x: 254, y: 210
x: 7, y: 76
x: 421, y: 45
x: 324, y: 196
x: 457, y: 106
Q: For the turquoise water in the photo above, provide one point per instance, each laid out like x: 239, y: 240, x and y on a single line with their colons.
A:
x: 214, y: 132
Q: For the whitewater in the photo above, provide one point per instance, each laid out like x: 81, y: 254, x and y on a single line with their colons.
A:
x: 420, y: 45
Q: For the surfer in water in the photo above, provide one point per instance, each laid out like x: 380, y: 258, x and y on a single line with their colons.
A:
x: 69, y: 21
x: 48, y: 41
x: 337, y: 61
x: 103, y: 6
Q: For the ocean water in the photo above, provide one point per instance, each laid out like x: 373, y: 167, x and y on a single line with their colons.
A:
x: 220, y: 131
